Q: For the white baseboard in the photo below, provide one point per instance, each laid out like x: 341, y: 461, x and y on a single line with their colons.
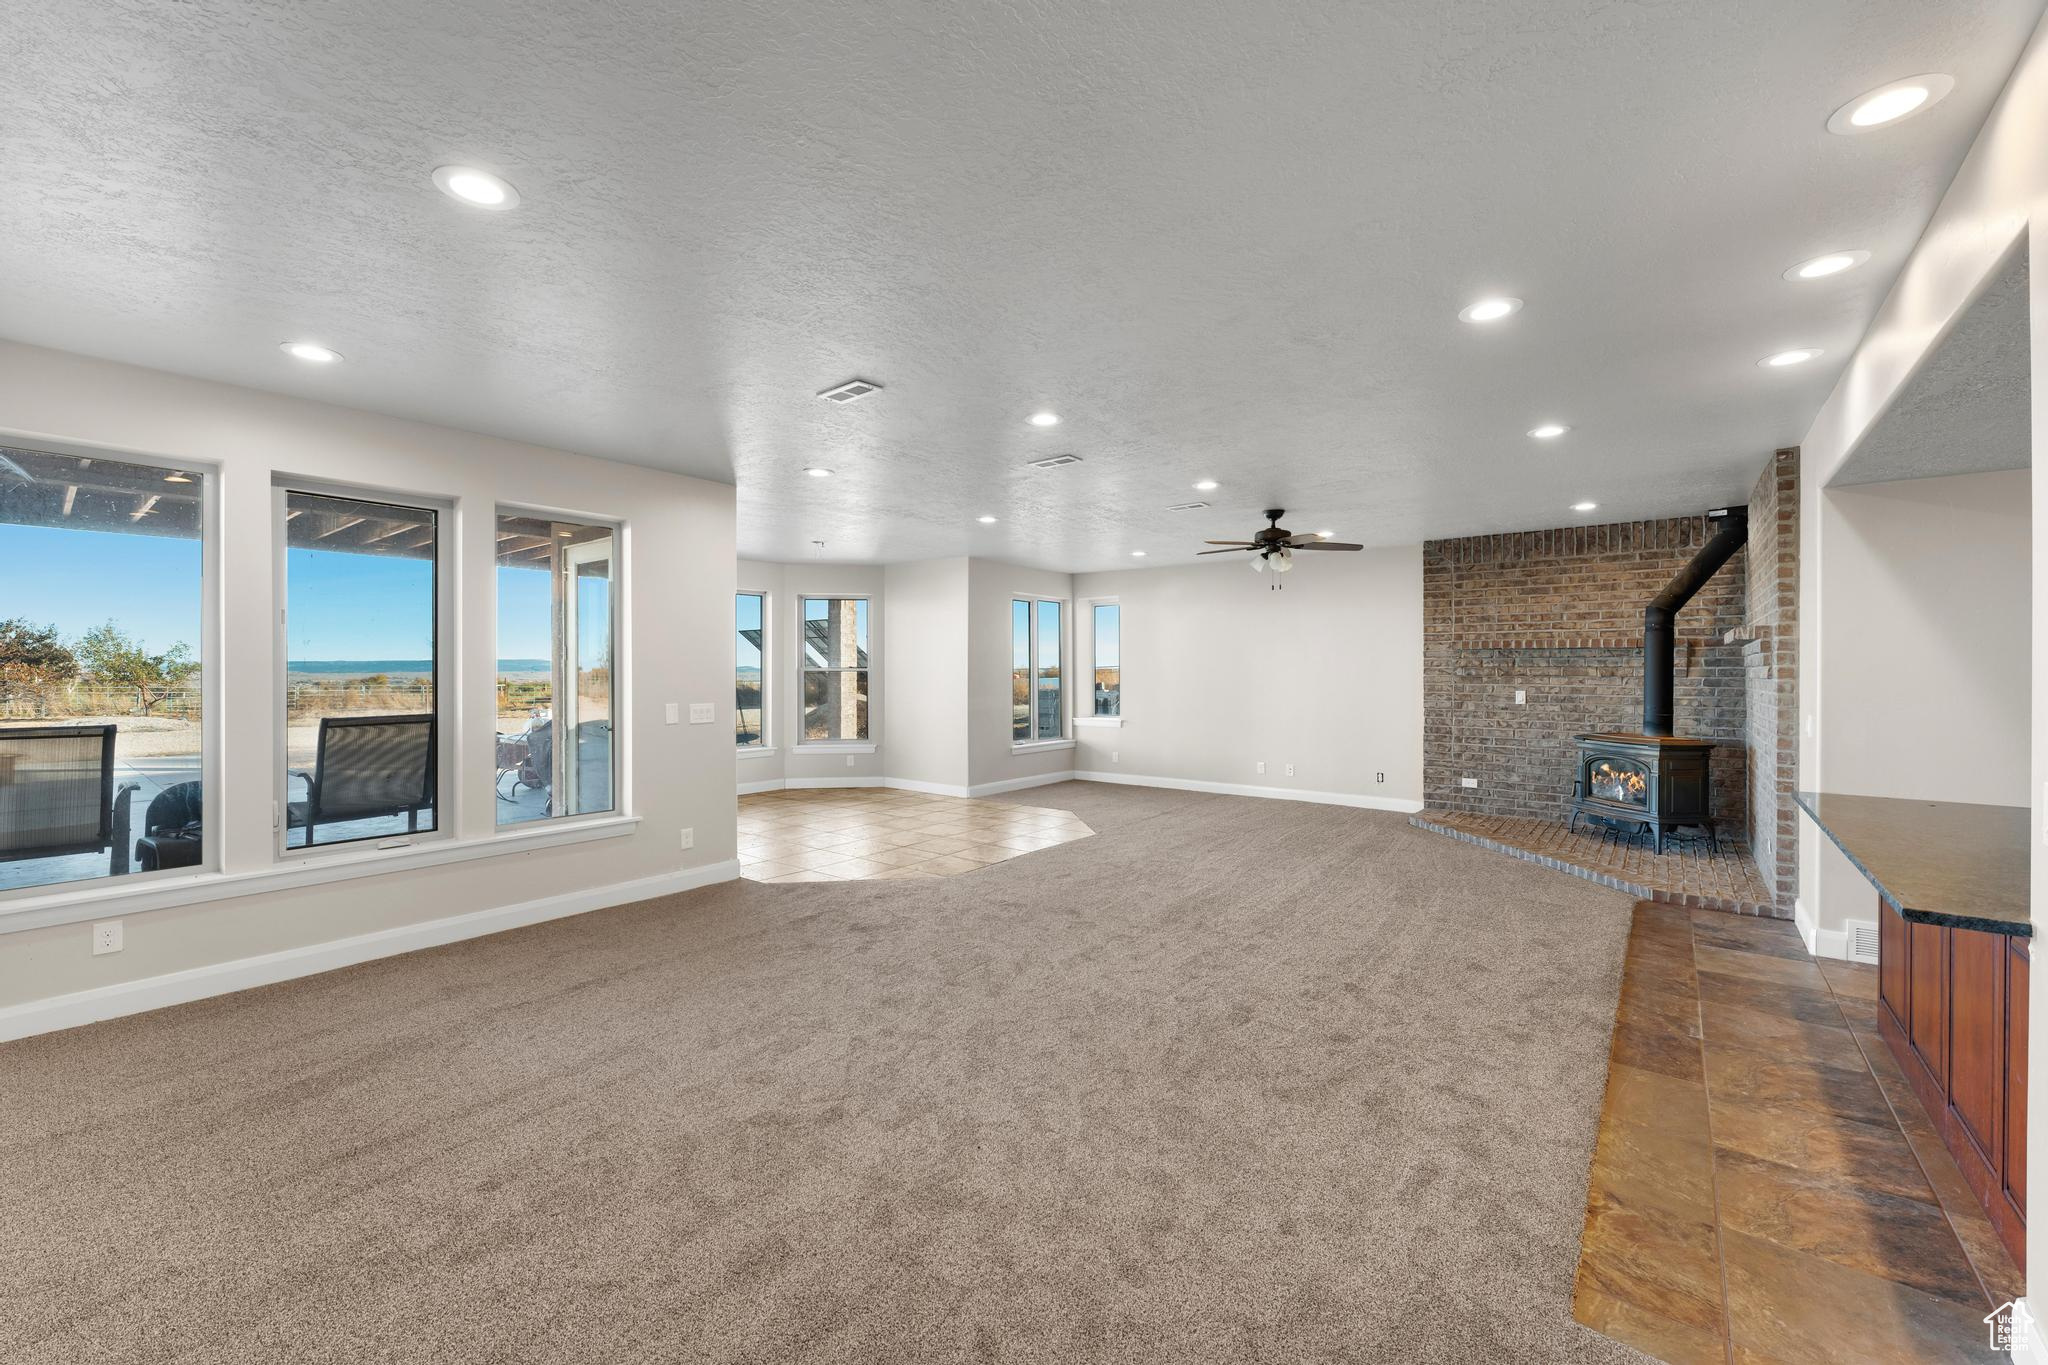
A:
x: 1820, y: 942
x: 773, y: 784
x: 813, y: 783
x: 1184, y: 784
x: 221, y: 978
x: 905, y: 784
x: 1017, y: 784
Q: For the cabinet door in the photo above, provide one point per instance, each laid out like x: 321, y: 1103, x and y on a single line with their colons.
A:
x: 1891, y: 963
x: 2019, y: 966
x: 1925, y: 951
x: 1976, y: 1017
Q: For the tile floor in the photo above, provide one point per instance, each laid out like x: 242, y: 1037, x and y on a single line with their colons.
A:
x: 1765, y: 1187
x: 878, y: 833
x: 1691, y: 876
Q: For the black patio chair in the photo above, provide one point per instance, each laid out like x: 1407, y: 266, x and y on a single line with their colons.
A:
x: 171, y: 834
x: 57, y: 795
x: 365, y: 767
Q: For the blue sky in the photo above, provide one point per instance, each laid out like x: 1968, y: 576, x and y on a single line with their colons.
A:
x: 75, y: 580
x: 749, y: 615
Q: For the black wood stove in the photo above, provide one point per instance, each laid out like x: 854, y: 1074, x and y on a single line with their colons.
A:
x: 1655, y: 782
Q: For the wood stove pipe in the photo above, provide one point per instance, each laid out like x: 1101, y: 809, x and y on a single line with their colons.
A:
x: 1660, y: 636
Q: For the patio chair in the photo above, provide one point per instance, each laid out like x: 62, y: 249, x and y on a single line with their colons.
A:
x: 365, y: 767
x: 528, y: 759
x: 171, y: 834
x: 57, y: 795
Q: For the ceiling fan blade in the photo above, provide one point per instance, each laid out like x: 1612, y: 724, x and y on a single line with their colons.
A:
x: 1245, y: 543
x: 1327, y: 545
x: 1227, y: 550
x: 1301, y: 538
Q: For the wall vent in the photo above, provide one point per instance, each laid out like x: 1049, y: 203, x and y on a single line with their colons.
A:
x: 1862, y: 940
x: 1055, y: 461
x: 1187, y: 507
x: 849, y: 391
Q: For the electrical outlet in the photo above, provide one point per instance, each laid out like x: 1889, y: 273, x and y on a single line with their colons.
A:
x: 1113, y: 757
x: 689, y: 838
x: 1262, y: 769
x: 849, y: 760
x: 703, y: 713
x: 672, y: 713
x: 1521, y: 697
x: 1290, y: 770
x: 106, y: 937
x: 1380, y: 778
x: 1468, y: 781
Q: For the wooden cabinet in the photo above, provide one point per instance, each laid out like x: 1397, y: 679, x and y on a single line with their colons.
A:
x: 1952, y: 1006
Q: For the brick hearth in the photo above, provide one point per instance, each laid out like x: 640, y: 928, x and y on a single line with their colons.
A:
x: 1694, y: 876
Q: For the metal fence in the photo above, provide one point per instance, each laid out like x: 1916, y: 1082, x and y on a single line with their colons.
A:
x: 63, y: 701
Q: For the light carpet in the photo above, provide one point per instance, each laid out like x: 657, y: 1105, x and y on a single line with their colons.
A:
x: 1234, y: 1080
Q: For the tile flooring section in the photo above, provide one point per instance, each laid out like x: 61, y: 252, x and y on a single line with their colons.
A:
x: 1691, y: 876
x: 877, y: 833
x: 1766, y: 1189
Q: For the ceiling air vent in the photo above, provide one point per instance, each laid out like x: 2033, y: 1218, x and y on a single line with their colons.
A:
x: 849, y: 391
x: 1055, y: 461
x: 1187, y: 507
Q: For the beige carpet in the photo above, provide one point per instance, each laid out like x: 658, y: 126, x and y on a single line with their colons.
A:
x: 1234, y: 1080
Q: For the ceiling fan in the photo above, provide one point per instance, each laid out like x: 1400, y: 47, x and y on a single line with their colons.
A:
x: 1276, y: 543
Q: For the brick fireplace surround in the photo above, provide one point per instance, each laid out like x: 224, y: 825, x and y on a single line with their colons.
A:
x: 1557, y: 615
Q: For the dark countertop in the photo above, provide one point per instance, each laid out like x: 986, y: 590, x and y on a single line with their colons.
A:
x: 1936, y: 862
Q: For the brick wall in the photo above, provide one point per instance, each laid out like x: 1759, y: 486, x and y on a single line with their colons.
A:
x: 1771, y: 675
x: 1558, y: 614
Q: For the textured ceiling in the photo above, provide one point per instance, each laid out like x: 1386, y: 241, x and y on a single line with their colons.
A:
x: 1968, y: 410
x: 1221, y: 239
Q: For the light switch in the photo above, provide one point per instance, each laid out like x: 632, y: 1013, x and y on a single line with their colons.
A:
x: 673, y: 712
x: 703, y: 712
x: 1521, y: 697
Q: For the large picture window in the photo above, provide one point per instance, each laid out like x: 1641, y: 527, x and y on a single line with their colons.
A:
x: 1037, y: 682
x: 557, y: 746
x: 361, y: 659
x: 835, y: 663
x: 1109, y: 695
x: 750, y: 675
x: 101, y: 622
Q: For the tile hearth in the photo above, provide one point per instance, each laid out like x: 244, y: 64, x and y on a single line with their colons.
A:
x: 880, y: 833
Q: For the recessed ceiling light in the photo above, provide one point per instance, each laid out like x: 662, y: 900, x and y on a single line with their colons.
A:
x: 1798, y: 355
x: 1489, y: 310
x: 312, y: 352
x: 1137, y: 554
x: 1820, y: 267
x: 817, y: 473
x: 1888, y: 104
x: 986, y: 521
x: 1585, y: 506
x: 479, y: 189
x: 1549, y: 431
x: 1045, y: 419
x: 1206, y: 486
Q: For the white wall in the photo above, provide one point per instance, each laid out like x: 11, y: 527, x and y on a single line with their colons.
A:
x: 926, y: 701
x: 791, y: 761
x: 1998, y: 196
x: 1221, y: 673
x: 677, y: 589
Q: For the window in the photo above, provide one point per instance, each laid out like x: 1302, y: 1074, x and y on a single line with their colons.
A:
x: 1037, y: 689
x: 361, y: 655
x: 835, y: 660
x: 557, y: 598
x: 750, y: 678
x: 1108, y: 656
x: 102, y: 618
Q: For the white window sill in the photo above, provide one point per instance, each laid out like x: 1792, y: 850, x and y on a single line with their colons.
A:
x: 76, y: 902
x: 1104, y: 722
x: 831, y: 747
x: 1040, y: 745
x: 757, y: 751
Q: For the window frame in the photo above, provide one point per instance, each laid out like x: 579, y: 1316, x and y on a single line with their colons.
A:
x: 621, y: 714
x: 802, y: 743
x: 52, y: 897
x: 447, y: 668
x: 1064, y: 739
x: 769, y: 728
x: 1092, y: 718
